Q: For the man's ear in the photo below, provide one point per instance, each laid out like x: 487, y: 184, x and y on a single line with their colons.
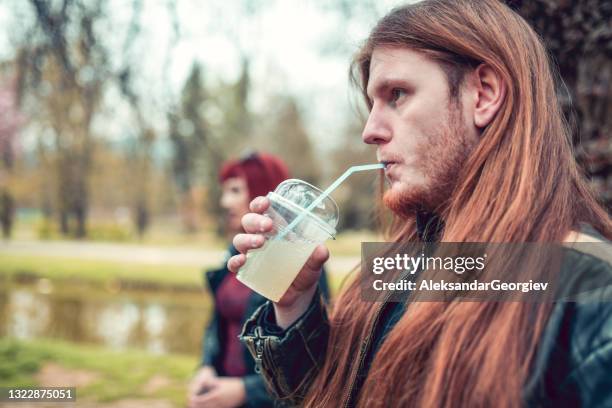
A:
x: 490, y: 94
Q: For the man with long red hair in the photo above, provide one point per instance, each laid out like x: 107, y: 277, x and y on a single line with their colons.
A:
x: 464, y: 115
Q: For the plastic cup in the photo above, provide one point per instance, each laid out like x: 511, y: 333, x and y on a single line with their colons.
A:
x: 271, y: 269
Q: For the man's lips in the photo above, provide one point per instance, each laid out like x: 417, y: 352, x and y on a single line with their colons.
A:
x: 388, y: 164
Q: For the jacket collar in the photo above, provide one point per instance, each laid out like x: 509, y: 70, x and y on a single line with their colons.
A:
x: 429, y: 226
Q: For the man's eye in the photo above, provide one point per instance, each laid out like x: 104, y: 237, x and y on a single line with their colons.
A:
x: 396, y: 94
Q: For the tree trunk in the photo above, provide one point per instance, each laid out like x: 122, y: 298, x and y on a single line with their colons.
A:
x: 7, y: 213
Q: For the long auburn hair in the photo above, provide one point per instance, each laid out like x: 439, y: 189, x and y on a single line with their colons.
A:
x: 520, y: 184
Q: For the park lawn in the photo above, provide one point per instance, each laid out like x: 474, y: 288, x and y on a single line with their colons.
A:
x: 116, y: 374
x: 99, y: 272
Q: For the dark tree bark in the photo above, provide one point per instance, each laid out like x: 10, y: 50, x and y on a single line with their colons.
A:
x: 578, y: 35
x: 7, y: 211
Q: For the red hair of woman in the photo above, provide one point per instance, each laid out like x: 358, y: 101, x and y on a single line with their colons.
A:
x: 262, y: 172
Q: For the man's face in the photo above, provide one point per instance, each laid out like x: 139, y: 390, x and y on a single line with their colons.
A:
x: 422, y: 135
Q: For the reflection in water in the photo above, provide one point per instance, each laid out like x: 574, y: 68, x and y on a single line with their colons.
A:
x: 156, y: 322
x: 116, y: 322
x: 66, y: 320
x: 28, y: 314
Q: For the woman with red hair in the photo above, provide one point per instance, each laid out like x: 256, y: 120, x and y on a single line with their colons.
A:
x: 227, y: 376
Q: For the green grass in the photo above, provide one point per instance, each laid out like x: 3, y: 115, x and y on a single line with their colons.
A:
x: 118, y: 374
x: 98, y: 272
x: 337, y: 282
x: 17, y: 365
x: 162, y: 232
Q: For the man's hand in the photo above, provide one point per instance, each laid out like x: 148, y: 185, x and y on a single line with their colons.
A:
x: 203, y: 380
x: 297, y: 298
x: 226, y: 392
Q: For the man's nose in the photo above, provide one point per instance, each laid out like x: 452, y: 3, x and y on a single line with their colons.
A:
x: 377, y: 129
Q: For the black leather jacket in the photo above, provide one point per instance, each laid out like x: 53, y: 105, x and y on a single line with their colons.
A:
x: 213, y: 341
x: 573, y: 365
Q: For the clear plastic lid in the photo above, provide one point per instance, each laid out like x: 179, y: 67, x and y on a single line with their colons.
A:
x: 303, y: 195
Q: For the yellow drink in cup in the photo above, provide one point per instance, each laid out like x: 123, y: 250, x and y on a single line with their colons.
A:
x: 271, y: 269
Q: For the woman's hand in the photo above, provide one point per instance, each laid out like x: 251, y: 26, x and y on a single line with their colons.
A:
x: 297, y: 298
x: 202, y: 381
x: 225, y: 392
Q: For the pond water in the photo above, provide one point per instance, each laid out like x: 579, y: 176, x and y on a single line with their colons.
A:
x: 155, y: 321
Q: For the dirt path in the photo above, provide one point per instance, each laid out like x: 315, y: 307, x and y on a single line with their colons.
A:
x: 54, y: 375
x: 147, y: 254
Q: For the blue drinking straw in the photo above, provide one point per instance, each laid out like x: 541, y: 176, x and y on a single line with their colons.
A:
x: 327, y: 192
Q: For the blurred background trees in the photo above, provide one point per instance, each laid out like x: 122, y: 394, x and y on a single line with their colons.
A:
x: 287, y: 136
x: 99, y: 155
x: 189, y: 137
x: 108, y: 152
x: 11, y: 121
x: 62, y: 69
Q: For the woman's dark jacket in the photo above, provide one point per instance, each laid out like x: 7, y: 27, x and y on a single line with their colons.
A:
x: 573, y: 365
x: 213, y: 341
